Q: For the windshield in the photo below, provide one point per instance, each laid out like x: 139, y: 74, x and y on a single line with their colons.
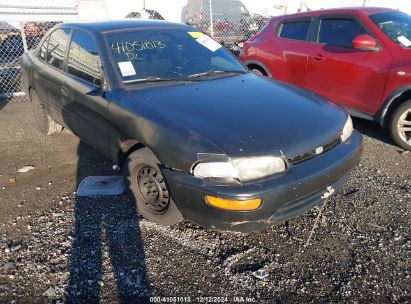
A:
x: 169, y: 54
x: 396, y: 25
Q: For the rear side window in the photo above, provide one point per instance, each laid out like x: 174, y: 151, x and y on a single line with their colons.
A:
x: 57, y: 47
x: 83, y: 59
x: 340, y: 32
x: 295, y: 30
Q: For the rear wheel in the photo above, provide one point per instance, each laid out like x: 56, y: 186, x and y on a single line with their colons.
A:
x: 147, y: 187
x: 400, y: 125
x: 45, y: 123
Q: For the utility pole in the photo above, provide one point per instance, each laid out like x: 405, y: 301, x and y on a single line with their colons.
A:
x: 303, y: 4
x: 364, y: 3
x: 211, y: 18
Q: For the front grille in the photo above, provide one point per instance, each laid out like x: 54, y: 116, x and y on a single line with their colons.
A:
x: 306, y: 156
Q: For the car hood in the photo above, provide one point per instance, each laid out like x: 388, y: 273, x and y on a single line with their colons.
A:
x: 247, y: 115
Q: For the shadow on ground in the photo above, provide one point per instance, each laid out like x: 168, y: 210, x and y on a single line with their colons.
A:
x: 373, y: 130
x: 4, y: 101
x: 107, y: 244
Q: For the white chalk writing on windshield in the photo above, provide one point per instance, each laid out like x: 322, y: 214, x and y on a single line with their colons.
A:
x: 131, y: 49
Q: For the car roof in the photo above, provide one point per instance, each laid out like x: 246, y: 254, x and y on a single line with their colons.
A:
x: 113, y: 25
x: 344, y: 10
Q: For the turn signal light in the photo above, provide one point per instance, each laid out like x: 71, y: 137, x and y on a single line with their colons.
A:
x: 233, y: 205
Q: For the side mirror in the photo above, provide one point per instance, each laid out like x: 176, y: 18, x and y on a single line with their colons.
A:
x: 100, y: 88
x: 364, y: 43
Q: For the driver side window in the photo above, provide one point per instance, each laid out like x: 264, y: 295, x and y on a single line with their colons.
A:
x: 340, y: 31
x: 83, y: 58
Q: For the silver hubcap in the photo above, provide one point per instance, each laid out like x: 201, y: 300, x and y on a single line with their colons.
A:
x: 404, y: 126
x: 153, y: 189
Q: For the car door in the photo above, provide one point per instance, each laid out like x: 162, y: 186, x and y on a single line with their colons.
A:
x: 352, y: 78
x: 48, y: 70
x: 293, y: 45
x: 85, y: 105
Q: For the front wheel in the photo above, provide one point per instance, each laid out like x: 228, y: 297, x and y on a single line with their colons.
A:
x: 400, y: 126
x: 257, y: 72
x: 147, y: 188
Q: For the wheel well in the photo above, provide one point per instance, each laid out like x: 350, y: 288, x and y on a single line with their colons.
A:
x: 253, y: 66
x: 126, y: 148
x: 395, y: 104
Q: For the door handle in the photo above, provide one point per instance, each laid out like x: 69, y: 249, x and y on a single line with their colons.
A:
x: 317, y: 57
x: 64, y: 92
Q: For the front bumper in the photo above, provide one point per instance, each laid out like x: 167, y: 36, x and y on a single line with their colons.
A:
x: 284, y: 196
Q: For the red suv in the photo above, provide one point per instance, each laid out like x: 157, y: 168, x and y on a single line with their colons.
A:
x: 360, y: 58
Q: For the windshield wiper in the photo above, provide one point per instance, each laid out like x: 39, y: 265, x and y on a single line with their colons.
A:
x: 190, y: 78
x: 215, y: 72
x: 157, y: 79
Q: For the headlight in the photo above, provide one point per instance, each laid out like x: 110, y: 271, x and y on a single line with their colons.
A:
x: 348, y: 129
x: 242, y: 169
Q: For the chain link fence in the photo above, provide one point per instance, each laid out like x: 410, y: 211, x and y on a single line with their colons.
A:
x: 11, y: 48
x: 22, y: 30
x: 15, y: 39
x: 227, y: 21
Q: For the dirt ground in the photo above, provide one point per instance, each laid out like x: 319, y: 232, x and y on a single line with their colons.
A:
x: 58, y: 248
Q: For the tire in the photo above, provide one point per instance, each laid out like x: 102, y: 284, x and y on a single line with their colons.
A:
x: 45, y: 123
x: 400, y: 125
x: 147, y: 188
x: 258, y: 72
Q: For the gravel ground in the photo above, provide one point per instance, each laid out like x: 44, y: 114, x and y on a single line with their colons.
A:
x: 57, y: 248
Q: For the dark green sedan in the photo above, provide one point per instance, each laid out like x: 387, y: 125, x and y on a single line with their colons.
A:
x: 198, y: 136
